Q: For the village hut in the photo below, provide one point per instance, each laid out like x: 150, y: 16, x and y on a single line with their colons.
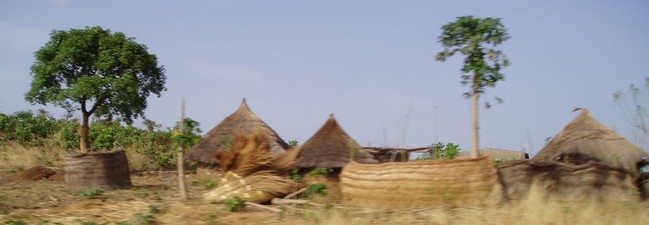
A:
x: 587, y: 140
x: 244, y: 122
x: 331, y: 148
x: 496, y: 154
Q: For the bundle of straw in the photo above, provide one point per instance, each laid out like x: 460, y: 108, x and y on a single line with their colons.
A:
x: 285, y: 162
x: 258, y: 187
x: 249, y: 154
x: 417, y: 184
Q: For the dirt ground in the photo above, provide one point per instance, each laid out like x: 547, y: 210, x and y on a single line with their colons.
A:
x: 154, y: 199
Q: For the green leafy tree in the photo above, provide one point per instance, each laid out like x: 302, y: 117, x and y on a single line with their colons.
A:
x: 190, y: 136
x: 95, y: 71
x: 471, y: 37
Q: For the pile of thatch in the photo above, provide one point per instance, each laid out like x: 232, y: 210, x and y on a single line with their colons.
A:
x: 107, y: 171
x: 567, y: 182
x: 587, y: 140
x: 251, y: 173
x: 221, y: 138
x: 258, y: 187
x: 420, y: 184
x: 496, y: 154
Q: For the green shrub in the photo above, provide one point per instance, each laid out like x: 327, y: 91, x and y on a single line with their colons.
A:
x: 92, y: 193
x: 26, y: 128
x: 234, y: 204
x: 319, y: 171
x: 441, y: 151
x: 209, y: 184
x: 315, y: 189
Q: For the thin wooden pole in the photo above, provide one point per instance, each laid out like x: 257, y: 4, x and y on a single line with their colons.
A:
x: 181, y: 166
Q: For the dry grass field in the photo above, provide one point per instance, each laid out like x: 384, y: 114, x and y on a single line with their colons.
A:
x: 154, y: 199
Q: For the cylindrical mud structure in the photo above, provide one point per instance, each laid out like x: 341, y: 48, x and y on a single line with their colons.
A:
x: 105, y: 170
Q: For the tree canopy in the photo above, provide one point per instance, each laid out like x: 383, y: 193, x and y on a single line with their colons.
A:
x: 95, y: 71
x: 470, y: 36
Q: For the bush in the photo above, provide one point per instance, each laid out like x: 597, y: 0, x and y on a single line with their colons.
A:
x: 27, y: 128
x: 441, y: 151
x: 234, y: 204
x: 315, y: 189
x: 154, y: 149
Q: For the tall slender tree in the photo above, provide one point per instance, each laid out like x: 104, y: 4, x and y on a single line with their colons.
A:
x: 472, y: 37
x: 95, y: 71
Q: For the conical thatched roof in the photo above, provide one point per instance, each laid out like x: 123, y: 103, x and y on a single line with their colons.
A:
x: 243, y: 121
x: 589, y: 140
x: 330, y: 147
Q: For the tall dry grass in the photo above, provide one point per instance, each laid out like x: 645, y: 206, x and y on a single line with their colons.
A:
x: 534, y: 209
x: 14, y: 156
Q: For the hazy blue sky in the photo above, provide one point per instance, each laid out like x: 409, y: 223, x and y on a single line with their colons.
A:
x: 372, y: 63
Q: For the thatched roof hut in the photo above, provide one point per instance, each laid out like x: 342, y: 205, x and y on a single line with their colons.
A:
x: 496, y: 154
x: 243, y: 121
x: 330, y: 147
x: 586, y: 139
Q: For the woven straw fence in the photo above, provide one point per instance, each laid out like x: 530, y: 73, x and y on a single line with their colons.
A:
x: 97, y: 170
x: 421, y: 184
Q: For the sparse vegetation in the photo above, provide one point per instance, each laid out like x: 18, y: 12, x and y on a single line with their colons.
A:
x: 319, y: 171
x: 209, y: 184
x: 293, y: 143
x: 92, y: 193
x: 28, y: 139
x: 234, y: 204
x: 315, y: 189
x: 441, y: 151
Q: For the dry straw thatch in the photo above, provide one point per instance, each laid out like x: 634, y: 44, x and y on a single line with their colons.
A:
x: 420, y: 184
x: 285, y: 163
x: 496, y: 154
x: 259, y: 187
x: 250, y: 172
x: 567, y: 182
x: 221, y: 137
x: 586, y: 139
x: 331, y: 147
x: 107, y: 171
x: 250, y: 153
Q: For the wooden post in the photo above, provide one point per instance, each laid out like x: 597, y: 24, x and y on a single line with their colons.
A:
x: 181, y: 166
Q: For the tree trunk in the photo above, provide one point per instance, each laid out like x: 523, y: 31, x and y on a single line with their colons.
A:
x: 84, y: 144
x: 475, y: 153
x: 476, y: 139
